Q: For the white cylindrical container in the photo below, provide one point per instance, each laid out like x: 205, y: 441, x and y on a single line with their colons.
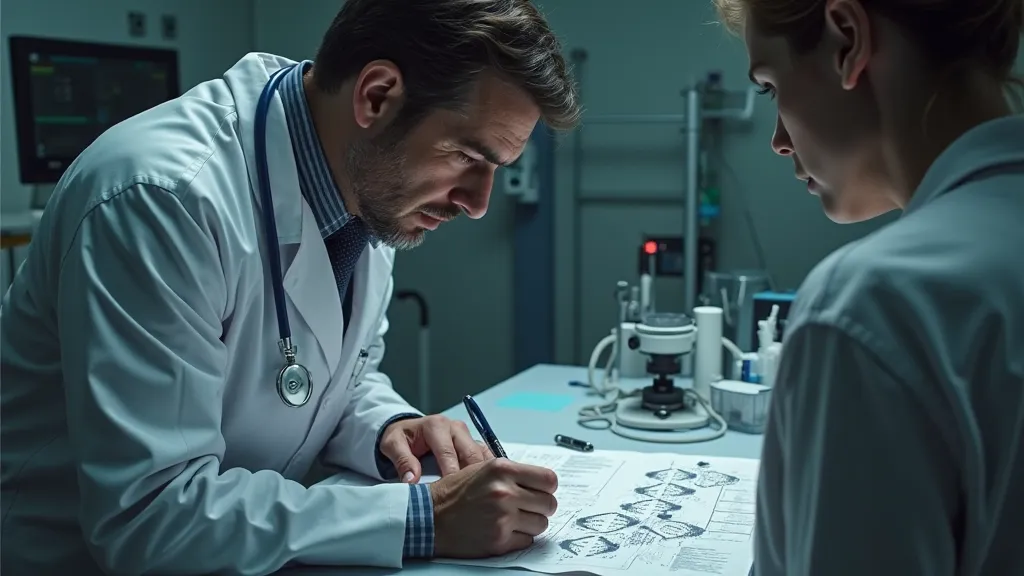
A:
x: 768, y: 363
x: 708, y: 363
x: 743, y: 406
x: 646, y: 296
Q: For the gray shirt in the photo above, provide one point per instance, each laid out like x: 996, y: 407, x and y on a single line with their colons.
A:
x: 895, y: 443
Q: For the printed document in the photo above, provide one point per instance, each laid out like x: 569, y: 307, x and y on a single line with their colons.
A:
x: 635, y: 513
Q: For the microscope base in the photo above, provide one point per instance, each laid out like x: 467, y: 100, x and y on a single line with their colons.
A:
x: 631, y: 414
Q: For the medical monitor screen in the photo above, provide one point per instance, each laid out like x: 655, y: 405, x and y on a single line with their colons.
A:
x: 68, y: 93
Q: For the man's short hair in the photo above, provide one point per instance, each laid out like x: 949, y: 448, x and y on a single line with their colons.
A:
x: 441, y: 48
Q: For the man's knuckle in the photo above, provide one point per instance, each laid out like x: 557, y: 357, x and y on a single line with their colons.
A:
x: 501, y: 466
x: 542, y: 525
x: 500, y: 492
x: 388, y: 444
x: 518, y: 541
x: 505, y: 525
x: 552, y: 505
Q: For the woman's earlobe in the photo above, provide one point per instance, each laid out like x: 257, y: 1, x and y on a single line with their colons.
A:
x: 854, y: 66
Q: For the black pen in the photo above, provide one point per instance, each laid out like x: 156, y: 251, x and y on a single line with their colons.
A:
x: 477, y: 416
x: 574, y: 444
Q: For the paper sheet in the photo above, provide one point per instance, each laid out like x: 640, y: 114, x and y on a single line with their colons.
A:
x: 634, y: 513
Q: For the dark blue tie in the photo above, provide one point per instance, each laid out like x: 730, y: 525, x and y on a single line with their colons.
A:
x: 344, y: 248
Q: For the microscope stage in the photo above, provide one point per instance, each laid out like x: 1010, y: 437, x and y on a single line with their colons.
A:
x: 631, y: 414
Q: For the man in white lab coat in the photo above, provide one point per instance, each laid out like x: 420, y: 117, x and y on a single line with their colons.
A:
x: 143, y: 430
x: 895, y: 442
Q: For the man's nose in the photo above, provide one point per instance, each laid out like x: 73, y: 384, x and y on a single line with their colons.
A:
x: 474, y: 195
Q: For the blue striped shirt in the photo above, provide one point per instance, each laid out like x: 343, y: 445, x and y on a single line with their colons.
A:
x: 324, y: 198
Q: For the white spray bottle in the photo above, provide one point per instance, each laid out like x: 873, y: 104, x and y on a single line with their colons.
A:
x: 769, y: 350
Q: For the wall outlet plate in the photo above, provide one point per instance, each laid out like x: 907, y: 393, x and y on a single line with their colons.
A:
x: 136, y: 24
x: 169, y: 26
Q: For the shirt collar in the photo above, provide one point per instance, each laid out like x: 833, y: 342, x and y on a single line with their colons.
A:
x: 985, y: 147
x: 315, y: 180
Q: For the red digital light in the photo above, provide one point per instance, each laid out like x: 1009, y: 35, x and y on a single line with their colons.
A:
x: 651, y: 247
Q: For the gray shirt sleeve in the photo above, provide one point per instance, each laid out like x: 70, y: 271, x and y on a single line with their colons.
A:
x: 855, y: 479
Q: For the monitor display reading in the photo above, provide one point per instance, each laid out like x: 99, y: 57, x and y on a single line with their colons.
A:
x: 68, y: 93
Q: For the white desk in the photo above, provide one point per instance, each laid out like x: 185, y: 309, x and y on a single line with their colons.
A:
x: 507, y: 408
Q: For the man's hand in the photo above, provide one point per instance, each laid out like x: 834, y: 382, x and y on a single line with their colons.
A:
x: 406, y: 441
x: 491, y: 508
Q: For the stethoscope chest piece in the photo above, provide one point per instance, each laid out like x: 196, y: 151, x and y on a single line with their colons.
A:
x: 294, y: 383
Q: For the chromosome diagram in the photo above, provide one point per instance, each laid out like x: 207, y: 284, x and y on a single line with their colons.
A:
x: 650, y: 513
x: 589, y: 546
x: 607, y: 522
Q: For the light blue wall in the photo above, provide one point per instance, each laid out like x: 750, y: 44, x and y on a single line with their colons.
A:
x: 534, y: 264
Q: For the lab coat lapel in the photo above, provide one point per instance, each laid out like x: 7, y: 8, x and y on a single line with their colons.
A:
x: 309, y: 280
x: 313, y: 290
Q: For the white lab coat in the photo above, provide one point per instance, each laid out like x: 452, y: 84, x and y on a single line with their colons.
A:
x: 142, y: 430
x: 896, y: 438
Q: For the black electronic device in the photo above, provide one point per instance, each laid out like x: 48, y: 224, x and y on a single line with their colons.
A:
x: 666, y: 254
x: 67, y: 93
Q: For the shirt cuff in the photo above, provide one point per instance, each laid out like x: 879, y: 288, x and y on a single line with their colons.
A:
x: 419, y: 523
x: 385, y: 467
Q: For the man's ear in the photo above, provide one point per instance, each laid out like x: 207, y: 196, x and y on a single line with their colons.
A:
x: 378, y: 93
x: 848, y: 30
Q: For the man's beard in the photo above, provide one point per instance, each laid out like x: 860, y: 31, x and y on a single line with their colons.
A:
x: 376, y: 176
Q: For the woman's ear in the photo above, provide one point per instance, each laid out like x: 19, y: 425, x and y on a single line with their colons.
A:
x: 848, y: 33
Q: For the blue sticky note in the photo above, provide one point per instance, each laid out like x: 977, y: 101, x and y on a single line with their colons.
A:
x: 535, y: 401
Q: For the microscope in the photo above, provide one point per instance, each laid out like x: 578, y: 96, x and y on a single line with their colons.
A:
x: 665, y: 338
x: 665, y: 345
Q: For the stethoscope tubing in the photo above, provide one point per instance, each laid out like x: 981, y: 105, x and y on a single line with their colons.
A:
x: 269, y: 220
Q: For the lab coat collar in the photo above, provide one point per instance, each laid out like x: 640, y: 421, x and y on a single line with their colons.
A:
x: 987, y: 146
x: 246, y: 80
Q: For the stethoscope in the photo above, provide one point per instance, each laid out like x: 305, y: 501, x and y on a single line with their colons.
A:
x: 294, y: 383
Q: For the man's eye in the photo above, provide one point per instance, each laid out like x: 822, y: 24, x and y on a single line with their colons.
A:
x: 465, y: 158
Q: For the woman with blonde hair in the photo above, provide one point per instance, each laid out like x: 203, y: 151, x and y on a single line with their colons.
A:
x: 895, y: 443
